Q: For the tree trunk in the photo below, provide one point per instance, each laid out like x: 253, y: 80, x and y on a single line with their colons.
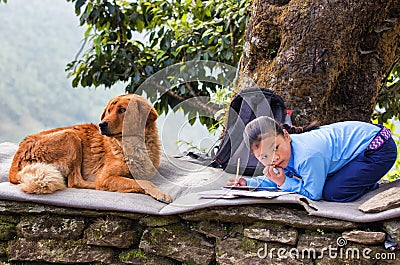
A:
x: 326, y: 58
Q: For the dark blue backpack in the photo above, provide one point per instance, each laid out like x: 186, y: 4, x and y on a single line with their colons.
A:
x: 247, y: 105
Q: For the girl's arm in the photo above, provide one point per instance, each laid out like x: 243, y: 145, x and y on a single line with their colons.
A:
x: 261, y: 181
x: 313, y: 173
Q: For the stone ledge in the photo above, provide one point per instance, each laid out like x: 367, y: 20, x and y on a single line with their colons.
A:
x: 268, y: 213
x: 222, y: 235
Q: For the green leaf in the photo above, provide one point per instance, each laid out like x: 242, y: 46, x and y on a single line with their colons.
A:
x: 87, y: 32
x: 160, y: 55
x: 140, y: 25
x: 79, y: 4
x: 165, y: 43
x: 184, y: 18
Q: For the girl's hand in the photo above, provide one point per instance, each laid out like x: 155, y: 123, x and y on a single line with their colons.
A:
x: 276, y: 174
x: 236, y: 182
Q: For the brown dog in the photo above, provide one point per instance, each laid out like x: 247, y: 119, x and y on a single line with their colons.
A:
x: 92, y: 157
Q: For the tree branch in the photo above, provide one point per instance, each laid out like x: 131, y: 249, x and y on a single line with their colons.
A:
x: 208, y: 108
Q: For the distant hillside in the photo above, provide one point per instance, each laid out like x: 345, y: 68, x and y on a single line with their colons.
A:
x: 38, y: 39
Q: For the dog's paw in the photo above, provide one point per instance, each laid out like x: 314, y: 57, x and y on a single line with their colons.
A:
x: 165, y: 197
x: 160, y: 195
x: 152, y: 190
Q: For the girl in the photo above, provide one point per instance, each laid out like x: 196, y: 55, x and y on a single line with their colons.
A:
x: 338, y: 162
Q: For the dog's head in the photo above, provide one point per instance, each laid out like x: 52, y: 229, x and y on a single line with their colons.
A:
x: 113, y: 115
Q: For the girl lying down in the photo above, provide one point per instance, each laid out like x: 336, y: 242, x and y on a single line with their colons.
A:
x: 338, y: 162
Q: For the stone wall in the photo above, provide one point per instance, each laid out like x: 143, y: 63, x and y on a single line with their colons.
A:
x: 39, y: 234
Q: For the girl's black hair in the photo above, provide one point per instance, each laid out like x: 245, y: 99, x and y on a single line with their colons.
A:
x: 265, y: 126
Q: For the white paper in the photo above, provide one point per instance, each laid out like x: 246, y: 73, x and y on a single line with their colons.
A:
x: 232, y: 193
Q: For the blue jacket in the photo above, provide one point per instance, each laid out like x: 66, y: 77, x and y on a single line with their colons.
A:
x: 321, y: 152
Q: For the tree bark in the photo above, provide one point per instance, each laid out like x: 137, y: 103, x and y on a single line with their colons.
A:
x: 326, y: 58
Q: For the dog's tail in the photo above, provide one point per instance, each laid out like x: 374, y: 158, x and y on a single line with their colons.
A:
x: 40, y: 178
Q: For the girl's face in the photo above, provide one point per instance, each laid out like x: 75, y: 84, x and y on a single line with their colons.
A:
x: 274, y: 151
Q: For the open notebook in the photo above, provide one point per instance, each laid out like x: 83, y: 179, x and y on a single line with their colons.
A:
x: 242, y: 191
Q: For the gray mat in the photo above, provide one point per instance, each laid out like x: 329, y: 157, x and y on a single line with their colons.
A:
x: 184, y: 181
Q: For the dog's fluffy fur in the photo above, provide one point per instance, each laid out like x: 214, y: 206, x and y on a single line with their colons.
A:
x: 90, y: 156
x: 41, y: 178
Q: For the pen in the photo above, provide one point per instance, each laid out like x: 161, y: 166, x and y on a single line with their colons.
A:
x: 276, y: 171
x: 237, y: 172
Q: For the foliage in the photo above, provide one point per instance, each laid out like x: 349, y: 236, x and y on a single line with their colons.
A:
x: 175, y: 31
x: 394, y: 174
x: 222, y: 97
x: 190, y: 147
x: 389, y: 95
x: 388, y: 111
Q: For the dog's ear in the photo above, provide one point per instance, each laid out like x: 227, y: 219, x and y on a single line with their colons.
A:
x: 152, y: 117
x: 112, y: 101
x: 147, y: 111
x: 104, y: 113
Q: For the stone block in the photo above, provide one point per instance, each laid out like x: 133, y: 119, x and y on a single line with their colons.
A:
x: 37, y: 208
x: 50, y: 227
x: 269, y: 213
x: 239, y: 251
x: 14, y: 219
x: 178, y: 242
x: 3, y: 249
x: 364, y: 237
x: 385, y: 200
x: 245, y: 251
x: 392, y: 227
x: 272, y: 233
x: 155, y: 221
x: 138, y: 256
x: 212, y: 229
x: 315, y: 243
x: 58, y: 251
x: 112, y: 232
x: 7, y: 230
